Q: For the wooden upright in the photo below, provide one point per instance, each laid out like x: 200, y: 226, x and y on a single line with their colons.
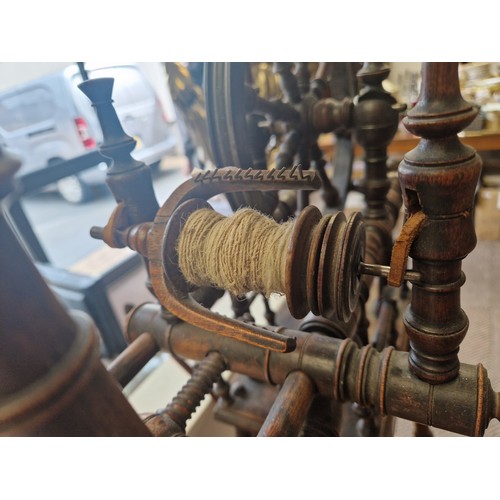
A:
x: 439, y: 178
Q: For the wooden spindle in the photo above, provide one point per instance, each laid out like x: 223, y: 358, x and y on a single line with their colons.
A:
x: 289, y: 410
x: 439, y: 178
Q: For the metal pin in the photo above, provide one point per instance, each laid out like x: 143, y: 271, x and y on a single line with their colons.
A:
x: 383, y: 272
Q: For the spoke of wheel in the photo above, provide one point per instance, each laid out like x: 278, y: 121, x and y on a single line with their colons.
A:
x: 288, y: 81
x: 227, y: 125
x: 330, y: 193
x: 323, y: 71
x: 343, y: 81
x: 277, y: 109
x: 288, y: 149
x: 303, y: 77
x: 342, y: 164
x: 305, y: 163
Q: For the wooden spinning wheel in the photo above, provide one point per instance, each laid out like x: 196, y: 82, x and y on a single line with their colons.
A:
x: 299, y: 382
x: 243, y: 119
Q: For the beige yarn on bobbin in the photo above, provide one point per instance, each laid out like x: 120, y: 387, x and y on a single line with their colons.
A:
x: 242, y: 253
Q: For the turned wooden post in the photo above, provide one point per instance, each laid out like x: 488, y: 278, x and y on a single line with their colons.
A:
x: 439, y: 178
x: 376, y: 119
x: 129, y: 180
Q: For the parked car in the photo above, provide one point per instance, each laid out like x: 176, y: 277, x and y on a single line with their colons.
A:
x: 48, y: 120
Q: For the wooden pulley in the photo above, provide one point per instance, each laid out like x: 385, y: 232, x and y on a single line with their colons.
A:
x: 323, y: 259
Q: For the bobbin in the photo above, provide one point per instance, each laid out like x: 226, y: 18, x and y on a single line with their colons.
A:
x: 173, y: 294
x: 323, y: 255
x: 323, y: 259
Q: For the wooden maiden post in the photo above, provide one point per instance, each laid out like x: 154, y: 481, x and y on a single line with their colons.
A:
x: 376, y: 119
x: 439, y: 178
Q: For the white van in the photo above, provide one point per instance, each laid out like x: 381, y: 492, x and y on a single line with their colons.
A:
x: 49, y: 120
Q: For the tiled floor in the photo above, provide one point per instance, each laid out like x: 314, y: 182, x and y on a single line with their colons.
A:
x: 480, y: 300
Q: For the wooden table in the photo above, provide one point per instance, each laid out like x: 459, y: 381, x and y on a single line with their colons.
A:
x: 403, y: 142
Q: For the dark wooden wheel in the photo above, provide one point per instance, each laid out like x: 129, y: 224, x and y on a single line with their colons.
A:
x: 244, y: 121
x: 230, y: 127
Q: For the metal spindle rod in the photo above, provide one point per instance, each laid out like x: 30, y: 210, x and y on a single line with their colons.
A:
x: 383, y: 272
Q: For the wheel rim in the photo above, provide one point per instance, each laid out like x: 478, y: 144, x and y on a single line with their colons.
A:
x: 229, y: 113
x: 224, y: 87
x: 71, y: 189
x: 226, y: 114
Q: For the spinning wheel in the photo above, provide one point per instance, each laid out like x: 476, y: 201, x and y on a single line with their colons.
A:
x: 242, y: 123
x: 298, y: 381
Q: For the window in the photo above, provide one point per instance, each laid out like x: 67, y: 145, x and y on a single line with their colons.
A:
x: 26, y: 108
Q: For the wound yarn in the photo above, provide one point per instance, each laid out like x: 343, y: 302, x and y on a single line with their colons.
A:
x: 242, y: 253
